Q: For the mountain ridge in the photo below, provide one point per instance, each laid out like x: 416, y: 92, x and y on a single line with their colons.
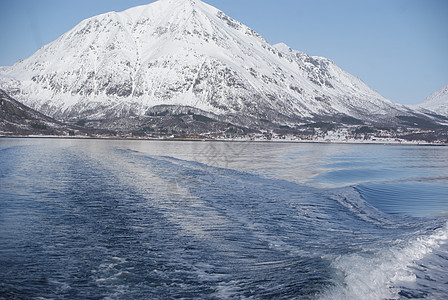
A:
x: 437, y: 101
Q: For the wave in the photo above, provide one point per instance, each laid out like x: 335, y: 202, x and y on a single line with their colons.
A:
x: 378, y: 275
x: 418, y: 199
x: 369, y: 252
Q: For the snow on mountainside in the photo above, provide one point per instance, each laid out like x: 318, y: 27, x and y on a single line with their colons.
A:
x: 188, y: 53
x: 437, y: 102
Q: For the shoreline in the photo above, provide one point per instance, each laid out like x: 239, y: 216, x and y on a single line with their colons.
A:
x: 336, y: 142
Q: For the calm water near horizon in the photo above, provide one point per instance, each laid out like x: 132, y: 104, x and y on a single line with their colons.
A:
x: 117, y: 219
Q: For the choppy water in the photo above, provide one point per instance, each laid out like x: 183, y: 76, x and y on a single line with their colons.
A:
x: 197, y: 220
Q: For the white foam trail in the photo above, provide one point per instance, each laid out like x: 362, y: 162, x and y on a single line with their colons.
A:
x: 374, y: 276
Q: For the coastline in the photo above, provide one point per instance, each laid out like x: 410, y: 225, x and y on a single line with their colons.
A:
x: 235, y: 140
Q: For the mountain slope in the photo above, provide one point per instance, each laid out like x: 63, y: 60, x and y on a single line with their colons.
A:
x: 18, y: 119
x: 184, y: 52
x: 437, y: 102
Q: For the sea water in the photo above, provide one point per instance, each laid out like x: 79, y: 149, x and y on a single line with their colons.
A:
x: 104, y: 219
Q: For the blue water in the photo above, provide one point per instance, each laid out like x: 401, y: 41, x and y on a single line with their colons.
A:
x: 96, y: 219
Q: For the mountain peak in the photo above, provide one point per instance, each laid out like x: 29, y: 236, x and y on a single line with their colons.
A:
x: 437, y: 101
x: 282, y: 47
x: 191, y: 2
x: 175, y: 16
x: 165, y: 7
x: 183, y: 2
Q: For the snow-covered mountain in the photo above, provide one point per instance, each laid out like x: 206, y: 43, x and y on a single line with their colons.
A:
x: 187, y: 53
x: 437, y: 102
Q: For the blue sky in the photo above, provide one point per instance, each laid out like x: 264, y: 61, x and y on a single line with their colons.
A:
x: 398, y: 47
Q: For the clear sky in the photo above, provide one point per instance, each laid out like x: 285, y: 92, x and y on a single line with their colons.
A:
x: 398, y: 47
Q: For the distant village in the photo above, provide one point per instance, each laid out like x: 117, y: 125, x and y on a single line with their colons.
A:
x: 340, y: 135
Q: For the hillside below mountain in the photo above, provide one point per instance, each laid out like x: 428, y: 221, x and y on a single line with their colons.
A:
x: 17, y: 119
